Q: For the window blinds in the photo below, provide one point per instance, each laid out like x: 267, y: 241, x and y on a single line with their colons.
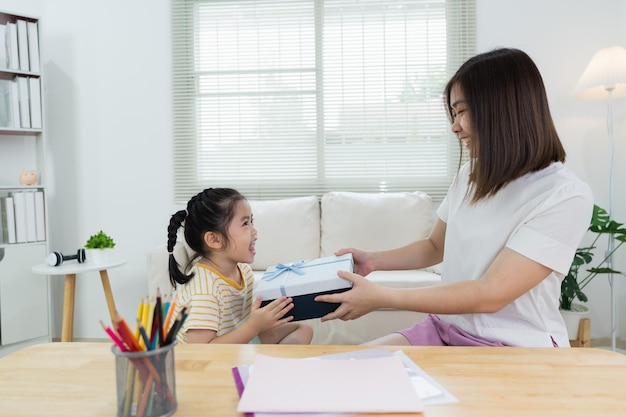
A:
x: 287, y: 98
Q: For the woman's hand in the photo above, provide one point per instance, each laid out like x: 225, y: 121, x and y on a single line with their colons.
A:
x: 363, y: 298
x: 363, y: 264
x: 270, y: 316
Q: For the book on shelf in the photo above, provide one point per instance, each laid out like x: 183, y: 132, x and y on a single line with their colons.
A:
x: 15, y: 103
x: 40, y: 216
x: 12, y: 47
x: 24, y: 99
x: 7, y: 218
x: 33, y: 45
x: 6, y: 103
x: 35, y: 102
x: 19, y: 204
x: 22, y: 44
x: 3, y: 226
x: 4, y: 52
x: 31, y: 217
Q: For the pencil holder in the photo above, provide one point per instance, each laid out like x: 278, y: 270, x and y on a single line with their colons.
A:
x: 146, y: 384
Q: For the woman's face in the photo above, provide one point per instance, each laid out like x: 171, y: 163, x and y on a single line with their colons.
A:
x: 461, y: 125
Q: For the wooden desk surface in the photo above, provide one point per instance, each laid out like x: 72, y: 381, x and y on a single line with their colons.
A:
x: 78, y: 379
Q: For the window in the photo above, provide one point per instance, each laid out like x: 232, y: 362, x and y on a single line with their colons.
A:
x: 285, y: 98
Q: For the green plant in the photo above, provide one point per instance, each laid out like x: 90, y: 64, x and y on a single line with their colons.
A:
x: 577, y: 279
x: 99, y: 241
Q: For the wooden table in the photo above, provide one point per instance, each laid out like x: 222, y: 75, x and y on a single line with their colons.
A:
x: 78, y: 379
x: 70, y: 269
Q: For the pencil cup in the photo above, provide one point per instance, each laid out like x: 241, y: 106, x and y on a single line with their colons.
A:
x: 146, y: 384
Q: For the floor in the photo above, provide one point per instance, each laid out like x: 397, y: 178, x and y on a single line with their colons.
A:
x: 605, y: 343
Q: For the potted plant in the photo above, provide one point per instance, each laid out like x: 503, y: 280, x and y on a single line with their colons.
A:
x: 583, y: 271
x: 98, y: 246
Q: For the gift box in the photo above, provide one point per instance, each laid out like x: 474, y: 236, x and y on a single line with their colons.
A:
x: 303, y: 281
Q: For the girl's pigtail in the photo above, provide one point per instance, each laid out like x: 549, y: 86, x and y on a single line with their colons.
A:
x: 176, y: 275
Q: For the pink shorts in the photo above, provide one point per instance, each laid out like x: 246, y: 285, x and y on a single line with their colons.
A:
x: 432, y: 331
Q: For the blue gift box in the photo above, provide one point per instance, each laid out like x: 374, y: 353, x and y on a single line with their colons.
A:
x: 303, y: 281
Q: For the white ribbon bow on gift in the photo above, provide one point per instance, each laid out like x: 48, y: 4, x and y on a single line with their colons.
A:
x: 280, y: 268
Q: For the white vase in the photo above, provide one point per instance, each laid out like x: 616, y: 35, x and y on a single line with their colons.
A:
x: 98, y: 256
x: 572, y: 319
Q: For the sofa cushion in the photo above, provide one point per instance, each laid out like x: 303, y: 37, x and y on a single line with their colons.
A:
x: 288, y: 230
x: 371, y: 221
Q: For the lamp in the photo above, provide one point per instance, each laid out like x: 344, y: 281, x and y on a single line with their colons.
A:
x: 605, y: 79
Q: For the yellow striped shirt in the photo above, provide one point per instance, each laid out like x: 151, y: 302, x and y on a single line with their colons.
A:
x: 213, y: 301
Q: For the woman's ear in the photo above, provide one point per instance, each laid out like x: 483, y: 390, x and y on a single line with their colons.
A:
x: 213, y: 240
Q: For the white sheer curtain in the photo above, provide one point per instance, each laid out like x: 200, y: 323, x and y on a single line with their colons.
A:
x: 285, y: 98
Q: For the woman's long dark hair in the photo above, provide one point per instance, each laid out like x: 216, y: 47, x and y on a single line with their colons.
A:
x: 512, y: 130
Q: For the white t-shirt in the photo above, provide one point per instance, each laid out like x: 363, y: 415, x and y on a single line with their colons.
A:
x: 214, y: 302
x: 543, y: 216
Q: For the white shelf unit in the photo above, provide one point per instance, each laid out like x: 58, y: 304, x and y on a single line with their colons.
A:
x: 24, y: 296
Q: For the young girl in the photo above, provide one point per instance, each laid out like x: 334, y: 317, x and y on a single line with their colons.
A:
x: 217, y: 292
x: 507, y: 230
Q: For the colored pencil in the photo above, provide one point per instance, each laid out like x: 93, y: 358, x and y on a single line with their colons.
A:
x: 150, y: 400
x: 144, y: 396
x: 178, y: 323
x: 167, y: 299
x: 145, y: 313
x: 157, y: 321
x: 126, y: 334
x: 168, y: 319
x: 114, y: 337
x: 144, y: 336
x: 139, y: 315
x: 130, y: 390
x: 148, y: 325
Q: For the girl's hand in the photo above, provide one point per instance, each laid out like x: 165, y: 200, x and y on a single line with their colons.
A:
x: 272, y: 315
x: 363, y: 265
x: 363, y: 298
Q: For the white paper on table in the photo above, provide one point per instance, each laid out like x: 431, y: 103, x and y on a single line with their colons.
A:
x: 429, y: 390
x: 375, y: 385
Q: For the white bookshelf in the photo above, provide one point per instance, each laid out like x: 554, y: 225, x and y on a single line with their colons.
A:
x: 24, y: 296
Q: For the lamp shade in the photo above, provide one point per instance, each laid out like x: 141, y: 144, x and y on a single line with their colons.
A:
x: 606, y: 71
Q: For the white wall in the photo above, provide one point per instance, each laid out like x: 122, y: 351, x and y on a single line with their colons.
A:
x: 108, y: 75
x: 562, y: 36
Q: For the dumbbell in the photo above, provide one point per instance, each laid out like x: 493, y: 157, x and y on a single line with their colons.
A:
x: 57, y: 258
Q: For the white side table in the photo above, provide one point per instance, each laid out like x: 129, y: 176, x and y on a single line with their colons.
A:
x: 70, y: 269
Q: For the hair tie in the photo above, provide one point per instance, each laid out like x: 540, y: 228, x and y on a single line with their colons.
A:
x: 186, y: 213
x: 170, y: 253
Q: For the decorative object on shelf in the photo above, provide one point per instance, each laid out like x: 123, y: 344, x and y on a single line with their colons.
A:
x: 28, y: 177
x: 57, y: 258
x: 99, y: 246
x: 576, y: 279
x: 605, y: 79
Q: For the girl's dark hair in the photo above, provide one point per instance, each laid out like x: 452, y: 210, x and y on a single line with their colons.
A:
x: 208, y: 211
x: 512, y: 129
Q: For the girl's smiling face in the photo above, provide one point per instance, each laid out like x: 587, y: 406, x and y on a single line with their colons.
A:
x: 461, y: 125
x: 242, y: 234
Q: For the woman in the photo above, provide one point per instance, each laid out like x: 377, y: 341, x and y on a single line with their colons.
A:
x: 506, y: 231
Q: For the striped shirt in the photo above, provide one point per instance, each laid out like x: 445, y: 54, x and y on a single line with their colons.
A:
x: 213, y: 301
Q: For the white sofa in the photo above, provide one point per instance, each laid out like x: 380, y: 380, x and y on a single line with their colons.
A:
x: 300, y: 228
